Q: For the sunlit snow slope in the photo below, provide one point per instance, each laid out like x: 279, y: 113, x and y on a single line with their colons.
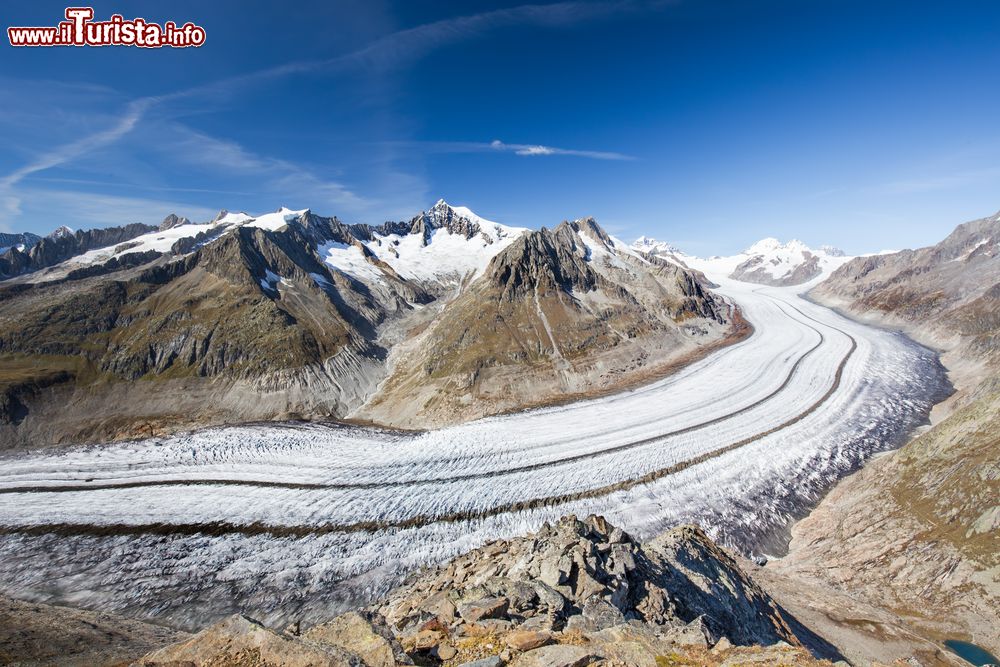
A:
x: 292, y: 522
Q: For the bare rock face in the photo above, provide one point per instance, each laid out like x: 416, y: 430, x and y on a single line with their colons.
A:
x: 33, y: 633
x: 365, y: 634
x: 946, y: 295
x: 755, y: 270
x: 173, y: 220
x: 916, y: 531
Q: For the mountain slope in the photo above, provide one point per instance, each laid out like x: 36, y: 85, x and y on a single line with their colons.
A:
x: 937, y: 496
x: 945, y: 295
x: 187, y: 339
x: 22, y: 242
x: 61, y: 245
x: 561, y: 313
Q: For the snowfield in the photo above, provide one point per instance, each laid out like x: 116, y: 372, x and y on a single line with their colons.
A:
x: 297, y: 521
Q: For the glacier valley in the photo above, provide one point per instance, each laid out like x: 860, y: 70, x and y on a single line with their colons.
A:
x: 297, y: 521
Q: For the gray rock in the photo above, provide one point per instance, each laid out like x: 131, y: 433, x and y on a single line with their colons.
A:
x: 601, y: 614
x: 492, y: 661
x: 560, y: 655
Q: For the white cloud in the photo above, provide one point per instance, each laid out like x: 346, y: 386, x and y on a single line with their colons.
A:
x: 285, y: 178
x: 535, y: 149
x: 57, y: 156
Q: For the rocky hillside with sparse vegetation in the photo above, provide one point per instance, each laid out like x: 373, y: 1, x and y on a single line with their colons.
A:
x: 918, y: 530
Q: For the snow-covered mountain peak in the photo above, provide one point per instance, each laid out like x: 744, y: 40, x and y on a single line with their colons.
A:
x: 276, y: 220
x: 651, y: 245
x: 443, y: 215
x: 771, y: 245
x: 765, y: 245
x: 61, y: 232
x: 832, y: 251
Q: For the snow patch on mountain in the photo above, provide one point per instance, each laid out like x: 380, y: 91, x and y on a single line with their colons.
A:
x: 458, y: 243
x: 349, y: 259
x: 274, y: 221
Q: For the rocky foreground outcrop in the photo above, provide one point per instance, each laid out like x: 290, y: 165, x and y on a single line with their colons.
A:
x: 572, y: 594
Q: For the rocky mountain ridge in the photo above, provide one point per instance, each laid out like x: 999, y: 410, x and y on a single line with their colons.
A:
x: 136, y: 330
x: 568, y: 312
x: 22, y: 242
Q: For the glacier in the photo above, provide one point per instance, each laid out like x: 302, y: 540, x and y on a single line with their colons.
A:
x: 298, y: 521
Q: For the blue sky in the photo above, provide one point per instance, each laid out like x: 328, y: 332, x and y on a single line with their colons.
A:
x: 867, y: 125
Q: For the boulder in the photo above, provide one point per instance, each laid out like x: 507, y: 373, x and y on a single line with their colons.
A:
x: 526, y: 640
x: 366, y: 636
x: 559, y: 655
x: 492, y: 661
x: 484, y: 608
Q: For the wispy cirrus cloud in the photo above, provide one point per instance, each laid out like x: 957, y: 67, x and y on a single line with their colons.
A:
x: 396, y: 49
x: 67, y: 152
x: 281, y: 176
x: 497, y: 146
x: 536, y: 149
x: 91, y: 209
x: 405, y: 46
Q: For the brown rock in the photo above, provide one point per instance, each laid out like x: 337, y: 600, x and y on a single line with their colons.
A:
x: 425, y: 640
x: 441, y: 606
x: 526, y: 640
x: 445, y: 651
x: 484, y: 608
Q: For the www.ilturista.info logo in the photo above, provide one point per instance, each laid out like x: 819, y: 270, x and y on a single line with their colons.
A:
x: 79, y: 29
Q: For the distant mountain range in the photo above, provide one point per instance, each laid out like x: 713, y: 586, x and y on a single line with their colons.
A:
x: 21, y: 242
x: 448, y: 316
x: 766, y: 262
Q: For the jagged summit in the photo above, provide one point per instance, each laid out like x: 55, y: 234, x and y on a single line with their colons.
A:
x: 173, y: 220
x: 60, y: 232
x: 773, y: 245
x: 832, y: 251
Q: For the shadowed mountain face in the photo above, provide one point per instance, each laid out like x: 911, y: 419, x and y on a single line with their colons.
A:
x: 22, y: 242
x: 130, y: 331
